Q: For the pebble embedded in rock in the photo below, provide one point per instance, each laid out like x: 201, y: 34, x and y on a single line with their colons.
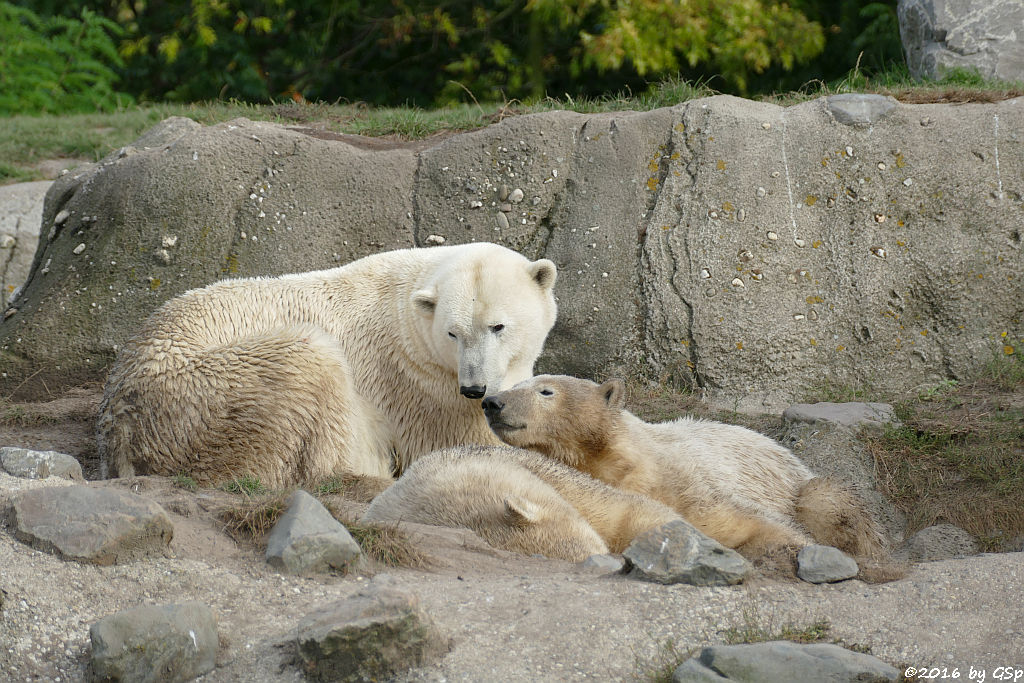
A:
x: 516, y: 196
x: 502, y: 221
x: 79, y: 249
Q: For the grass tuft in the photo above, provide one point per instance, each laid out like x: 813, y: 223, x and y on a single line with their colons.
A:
x: 183, y: 481
x: 247, y: 485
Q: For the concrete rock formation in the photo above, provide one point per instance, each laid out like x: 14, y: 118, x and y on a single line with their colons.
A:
x: 748, y: 250
x: 940, y: 35
x: 781, y: 661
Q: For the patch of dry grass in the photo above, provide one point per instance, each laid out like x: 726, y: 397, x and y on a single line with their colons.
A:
x: 959, y: 456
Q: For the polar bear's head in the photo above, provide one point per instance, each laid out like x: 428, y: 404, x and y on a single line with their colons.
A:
x: 568, y: 419
x: 489, y: 311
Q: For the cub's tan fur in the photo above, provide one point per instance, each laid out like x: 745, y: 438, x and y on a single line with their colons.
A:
x: 737, y: 486
x: 519, y: 501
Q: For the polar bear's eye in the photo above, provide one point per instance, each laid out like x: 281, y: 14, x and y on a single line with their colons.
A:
x: 546, y: 392
x: 452, y: 335
x: 497, y: 328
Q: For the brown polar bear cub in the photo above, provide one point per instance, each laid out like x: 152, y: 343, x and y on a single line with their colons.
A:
x: 520, y: 501
x: 354, y: 370
x: 737, y: 486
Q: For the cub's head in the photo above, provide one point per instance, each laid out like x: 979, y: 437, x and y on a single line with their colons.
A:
x: 487, y: 311
x: 565, y: 418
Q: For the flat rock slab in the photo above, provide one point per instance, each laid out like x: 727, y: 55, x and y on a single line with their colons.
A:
x: 781, y: 661
x: 853, y: 414
x: 91, y: 525
x: 374, y: 635
x: 167, y: 643
x: 824, y: 564
x: 309, y: 539
x: 678, y: 553
x: 28, y: 464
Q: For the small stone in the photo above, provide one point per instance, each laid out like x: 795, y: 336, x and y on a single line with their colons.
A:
x: 503, y: 193
x: 61, y: 216
x: 308, y: 539
x: 927, y: 121
x: 516, y: 196
x: 705, y: 273
x: 6, y: 241
x: 713, y: 214
x: 880, y: 217
x: 881, y: 165
x: 435, y: 239
x: 849, y: 151
x: 506, y: 207
x: 745, y: 255
x: 798, y: 317
x: 162, y: 256
x: 502, y: 221
x: 879, y: 252
x: 741, y: 215
x: 165, y: 643
x: 800, y: 243
x: 908, y: 182
x: 756, y: 274
x: 476, y: 204
x: 766, y: 125
x: 736, y: 282
x: 761, y: 192
x: 774, y: 174
x: 79, y: 249
x: 773, y: 235
x: 169, y: 241
x: 824, y: 564
x: 536, y: 200
x: 28, y: 464
x: 678, y: 553
x: 604, y: 563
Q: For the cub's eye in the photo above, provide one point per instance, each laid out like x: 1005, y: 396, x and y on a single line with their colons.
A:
x: 452, y: 335
x: 546, y: 392
x: 497, y: 328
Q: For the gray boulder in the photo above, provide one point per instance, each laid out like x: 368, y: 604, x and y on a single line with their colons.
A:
x: 374, y: 635
x: 308, y: 539
x: 21, y: 212
x: 90, y: 525
x: 782, y: 661
x: 939, y: 542
x: 853, y: 415
x: 939, y: 35
x: 678, y: 553
x: 22, y: 462
x: 824, y: 564
x: 741, y: 248
x: 149, y: 644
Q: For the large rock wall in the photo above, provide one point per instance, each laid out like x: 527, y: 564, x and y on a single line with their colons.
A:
x: 751, y: 250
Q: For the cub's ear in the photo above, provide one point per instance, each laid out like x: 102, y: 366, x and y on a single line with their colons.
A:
x: 520, y: 512
x: 614, y: 393
x: 543, y: 273
x: 425, y: 301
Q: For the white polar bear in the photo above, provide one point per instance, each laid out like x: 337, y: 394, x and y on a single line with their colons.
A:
x: 353, y: 370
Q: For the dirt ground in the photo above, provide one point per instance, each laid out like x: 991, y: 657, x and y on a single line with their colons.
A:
x: 509, y: 617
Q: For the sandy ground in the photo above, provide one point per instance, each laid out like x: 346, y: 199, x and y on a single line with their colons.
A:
x: 510, y: 617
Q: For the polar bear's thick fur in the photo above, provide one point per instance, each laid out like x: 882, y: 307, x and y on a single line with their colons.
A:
x: 737, y: 486
x: 520, y: 501
x: 354, y: 370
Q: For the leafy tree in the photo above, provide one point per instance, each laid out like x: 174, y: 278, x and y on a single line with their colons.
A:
x: 57, y: 64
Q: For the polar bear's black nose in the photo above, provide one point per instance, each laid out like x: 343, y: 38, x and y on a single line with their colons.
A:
x: 475, y: 391
x: 492, y: 405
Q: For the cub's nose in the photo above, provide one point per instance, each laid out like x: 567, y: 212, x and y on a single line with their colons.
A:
x: 492, y: 405
x: 475, y: 391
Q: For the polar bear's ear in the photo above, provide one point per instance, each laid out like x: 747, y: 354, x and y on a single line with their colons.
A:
x: 520, y: 512
x: 425, y: 301
x: 543, y: 273
x: 614, y: 393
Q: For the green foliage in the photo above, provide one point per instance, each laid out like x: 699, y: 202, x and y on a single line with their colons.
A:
x: 57, y: 64
x: 247, y: 485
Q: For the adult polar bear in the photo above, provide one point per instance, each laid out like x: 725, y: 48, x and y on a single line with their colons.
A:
x: 354, y: 370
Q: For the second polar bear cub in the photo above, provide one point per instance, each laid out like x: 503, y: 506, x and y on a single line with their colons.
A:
x: 737, y: 486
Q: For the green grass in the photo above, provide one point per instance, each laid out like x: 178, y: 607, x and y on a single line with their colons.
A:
x: 27, y: 140
x: 247, y: 485
x: 183, y: 481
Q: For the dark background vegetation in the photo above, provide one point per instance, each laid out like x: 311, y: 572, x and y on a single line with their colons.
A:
x: 60, y: 56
